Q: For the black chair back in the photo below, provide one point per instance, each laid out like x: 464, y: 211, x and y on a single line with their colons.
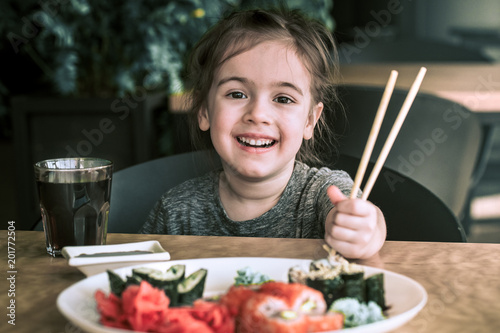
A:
x: 136, y: 189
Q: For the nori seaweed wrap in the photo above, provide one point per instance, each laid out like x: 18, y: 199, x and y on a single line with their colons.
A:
x: 375, y: 290
x: 344, y: 285
x: 192, y: 287
x: 336, y: 278
x: 179, y: 289
x: 145, y: 272
x: 354, y: 285
x: 167, y: 281
x: 170, y: 282
x: 331, y: 289
x: 133, y: 279
x: 116, y: 283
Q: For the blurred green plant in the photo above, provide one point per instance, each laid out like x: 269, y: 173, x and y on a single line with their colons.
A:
x: 106, y: 48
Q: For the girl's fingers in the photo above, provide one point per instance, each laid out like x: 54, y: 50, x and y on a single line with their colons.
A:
x: 345, y: 248
x: 335, y: 194
x: 349, y: 221
x: 356, y: 207
x: 344, y: 234
x: 366, y: 223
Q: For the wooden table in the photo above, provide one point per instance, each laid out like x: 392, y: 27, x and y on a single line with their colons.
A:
x: 462, y: 279
x: 475, y: 85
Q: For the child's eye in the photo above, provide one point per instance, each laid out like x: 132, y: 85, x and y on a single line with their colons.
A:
x: 237, y: 95
x: 283, y: 100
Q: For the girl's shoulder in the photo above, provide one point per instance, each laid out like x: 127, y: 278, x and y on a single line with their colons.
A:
x: 317, y: 180
x: 309, y: 172
x: 194, y: 187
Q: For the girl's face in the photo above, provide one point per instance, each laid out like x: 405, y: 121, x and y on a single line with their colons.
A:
x: 258, y: 111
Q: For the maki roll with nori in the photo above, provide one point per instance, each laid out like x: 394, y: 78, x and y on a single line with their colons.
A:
x: 133, y: 280
x: 144, y: 272
x: 166, y: 281
x: 192, y: 287
x: 350, y: 284
x: 169, y: 281
x: 331, y: 288
x: 375, y: 291
x: 336, y: 278
x: 180, y: 290
x: 116, y: 283
x: 334, y: 281
x: 354, y: 285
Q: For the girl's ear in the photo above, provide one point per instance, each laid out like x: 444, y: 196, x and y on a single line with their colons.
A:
x: 203, y: 121
x: 312, y: 119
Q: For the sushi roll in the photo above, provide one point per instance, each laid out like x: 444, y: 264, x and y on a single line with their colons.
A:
x: 167, y: 281
x: 299, y: 297
x: 331, y: 288
x: 116, y: 283
x: 330, y: 321
x: 334, y: 281
x: 236, y: 297
x: 287, y: 321
x: 266, y: 313
x: 145, y: 272
x: 191, y: 288
x: 309, y: 301
x: 375, y: 290
x: 354, y: 285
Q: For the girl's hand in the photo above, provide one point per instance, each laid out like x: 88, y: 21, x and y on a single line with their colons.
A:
x: 355, y: 228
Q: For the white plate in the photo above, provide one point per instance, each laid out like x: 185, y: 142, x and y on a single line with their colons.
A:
x: 404, y: 296
x: 126, y: 255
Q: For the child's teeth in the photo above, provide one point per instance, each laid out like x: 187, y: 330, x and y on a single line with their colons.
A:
x: 254, y: 142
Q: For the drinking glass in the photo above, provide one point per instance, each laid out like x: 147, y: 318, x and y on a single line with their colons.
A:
x: 74, y: 198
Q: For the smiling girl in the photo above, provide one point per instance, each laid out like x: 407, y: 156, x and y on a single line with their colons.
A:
x: 261, y: 80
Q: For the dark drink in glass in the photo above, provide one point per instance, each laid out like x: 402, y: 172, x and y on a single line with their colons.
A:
x: 74, y: 201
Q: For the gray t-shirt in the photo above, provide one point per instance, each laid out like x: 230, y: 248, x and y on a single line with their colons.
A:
x: 194, y: 208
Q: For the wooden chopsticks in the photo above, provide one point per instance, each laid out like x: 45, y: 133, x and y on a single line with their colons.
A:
x: 377, y: 123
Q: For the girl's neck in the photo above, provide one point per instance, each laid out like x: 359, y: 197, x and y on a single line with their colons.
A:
x: 245, y: 199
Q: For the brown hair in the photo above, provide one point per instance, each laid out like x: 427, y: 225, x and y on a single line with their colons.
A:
x: 239, y: 32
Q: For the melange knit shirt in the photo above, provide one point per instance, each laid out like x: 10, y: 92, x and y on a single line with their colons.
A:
x: 194, y: 208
